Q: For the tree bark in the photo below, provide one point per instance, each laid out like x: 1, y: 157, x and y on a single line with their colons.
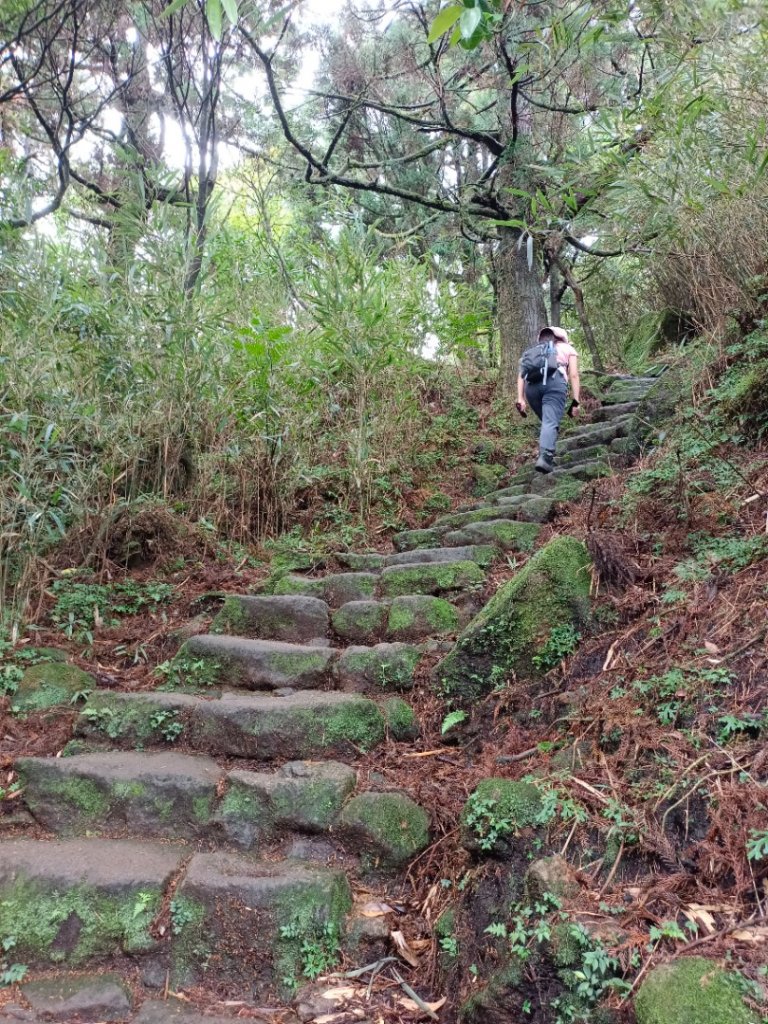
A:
x: 520, y: 305
x: 586, y: 326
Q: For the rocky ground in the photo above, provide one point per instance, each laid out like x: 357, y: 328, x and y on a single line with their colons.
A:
x: 397, y: 788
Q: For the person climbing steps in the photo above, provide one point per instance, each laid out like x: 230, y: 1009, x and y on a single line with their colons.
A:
x: 546, y: 369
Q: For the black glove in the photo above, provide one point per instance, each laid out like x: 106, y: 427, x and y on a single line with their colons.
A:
x: 574, y: 405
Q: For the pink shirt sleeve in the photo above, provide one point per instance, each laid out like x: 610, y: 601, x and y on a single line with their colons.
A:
x: 564, y: 352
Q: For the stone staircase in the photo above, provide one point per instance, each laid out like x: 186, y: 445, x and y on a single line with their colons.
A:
x: 207, y: 832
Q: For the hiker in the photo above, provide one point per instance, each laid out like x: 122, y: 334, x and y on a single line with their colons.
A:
x: 545, y: 370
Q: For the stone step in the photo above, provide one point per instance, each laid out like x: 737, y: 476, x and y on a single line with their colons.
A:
x: 335, y: 589
x: 506, y: 534
x: 296, y: 620
x: 178, y: 796
x: 377, y: 669
x: 611, y: 412
x: 484, y: 513
x: 150, y: 794
x: 546, y: 483
x: 597, y: 433
x: 251, y: 664
x: 483, y: 554
x: 579, y: 455
x: 365, y: 561
x: 413, y: 617
x: 290, y: 726
x: 233, y: 919
x: 434, y: 578
x: 409, y: 540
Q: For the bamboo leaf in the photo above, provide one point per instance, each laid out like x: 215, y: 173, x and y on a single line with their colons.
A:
x: 173, y: 7
x: 214, y: 16
x: 445, y: 20
x: 230, y: 9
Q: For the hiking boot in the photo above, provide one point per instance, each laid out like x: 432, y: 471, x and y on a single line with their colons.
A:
x: 545, y: 462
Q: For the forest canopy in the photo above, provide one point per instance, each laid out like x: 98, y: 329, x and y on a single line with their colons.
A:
x: 230, y: 233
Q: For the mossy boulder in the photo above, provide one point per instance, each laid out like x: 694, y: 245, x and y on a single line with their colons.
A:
x: 419, y: 616
x: 502, y: 533
x: 303, y: 796
x: 487, y: 477
x: 402, y: 723
x: 431, y: 578
x: 250, y: 664
x: 390, y: 828
x: 50, y: 684
x: 360, y: 622
x: 552, y: 590
x: 693, y: 991
x: 496, y: 812
x: 373, y: 669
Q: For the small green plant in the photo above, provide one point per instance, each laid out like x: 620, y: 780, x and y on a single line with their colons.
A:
x: 167, y: 724
x: 104, y: 720
x: 562, y: 641
x: 732, y: 725
x: 450, y: 946
x: 485, y: 820
x: 181, y: 915
x: 81, y: 603
x: 318, y: 952
x: 187, y: 673
x: 10, y: 973
x: 451, y: 720
x: 757, y: 845
x: 665, y: 930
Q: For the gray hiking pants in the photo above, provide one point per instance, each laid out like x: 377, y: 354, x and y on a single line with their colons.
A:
x: 549, y: 405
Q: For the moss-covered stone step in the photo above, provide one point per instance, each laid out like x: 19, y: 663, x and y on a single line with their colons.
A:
x: 694, y: 991
x: 248, y: 923
x: 150, y: 794
x: 409, y: 540
x: 290, y: 619
x: 290, y: 726
x: 68, y: 902
x: 484, y: 513
x: 296, y: 726
x: 382, y: 668
x: 535, y: 508
x: 50, y: 684
x: 482, y: 554
x: 233, y: 918
x: 606, y: 413
x: 596, y: 433
x: 253, y: 664
x: 418, y: 617
x: 579, y: 455
x: 361, y: 622
x: 335, y: 589
x: 506, y: 534
x: 566, y: 483
x: 366, y: 561
x: 513, y: 635
x: 433, y: 578
x: 389, y: 828
x: 302, y: 796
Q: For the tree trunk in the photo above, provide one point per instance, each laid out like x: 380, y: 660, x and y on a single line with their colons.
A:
x: 555, y: 295
x: 586, y: 326
x: 521, y: 305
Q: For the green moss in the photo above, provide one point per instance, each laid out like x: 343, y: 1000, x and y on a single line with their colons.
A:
x: 232, y: 619
x: 190, y: 945
x: 360, y: 620
x: 299, y: 586
x: 418, y: 616
x: 387, y: 668
x: 299, y: 662
x: 310, y: 924
x: 504, y: 533
x: 318, y: 730
x: 83, y: 795
x: 129, y: 790
x: 431, y: 578
x: 497, y: 809
x: 367, y: 562
x: 241, y: 802
x: 401, y: 719
x: 692, y: 991
x: 392, y: 827
x: 567, y: 489
x: 50, y: 684
x: 551, y: 590
x: 134, y: 722
x: 411, y: 540
x: 202, y: 808
x: 458, y: 520
x: 41, y: 920
x: 164, y: 808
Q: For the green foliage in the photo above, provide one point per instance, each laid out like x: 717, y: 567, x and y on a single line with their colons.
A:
x: 451, y: 720
x: 318, y: 947
x: 561, y: 643
x: 185, y: 672
x: 757, y: 845
x: 10, y: 973
x: 79, y: 604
